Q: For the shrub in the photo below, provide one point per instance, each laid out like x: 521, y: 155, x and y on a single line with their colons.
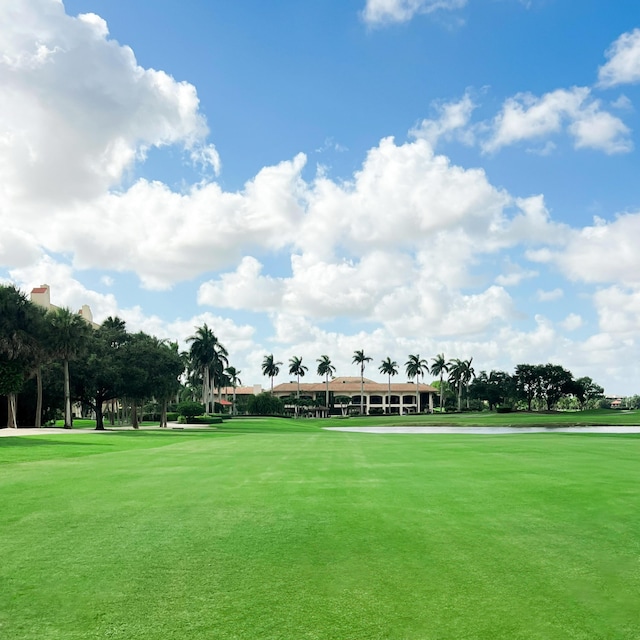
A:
x: 376, y: 411
x: 205, y: 420
x: 504, y: 409
x: 172, y: 416
x: 264, y: 404
x: 189, y: 409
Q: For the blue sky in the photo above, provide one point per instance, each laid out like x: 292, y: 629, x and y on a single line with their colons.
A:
x: 398, y: 176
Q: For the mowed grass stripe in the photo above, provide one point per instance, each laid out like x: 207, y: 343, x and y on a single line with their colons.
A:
x: 323, y: 535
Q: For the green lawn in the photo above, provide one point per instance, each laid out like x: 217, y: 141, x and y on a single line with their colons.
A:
x: 271, y: 528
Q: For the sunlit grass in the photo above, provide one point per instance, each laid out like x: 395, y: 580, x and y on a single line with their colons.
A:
x: 276, y: 529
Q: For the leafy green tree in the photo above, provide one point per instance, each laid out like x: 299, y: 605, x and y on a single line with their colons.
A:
x: 439, y: 366
x: 265, y: 404
x: 69, y: 337
x: 165, y: 375
x: 21, y: 325
x: 416, y: 367
x: 361, y: 359
x: 325, y: 369
x: 100, y: 373
x: 270, y: 368
x: 587, y: 392
x: 388, y: 367
x: 554, y: 382
x: 497, y: 388
x: 527, y: 377
x: 189, y: 409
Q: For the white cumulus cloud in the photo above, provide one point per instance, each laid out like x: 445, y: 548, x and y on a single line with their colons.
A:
x: 527, y: 117
x: 623, y: 61
x: 387, y: 11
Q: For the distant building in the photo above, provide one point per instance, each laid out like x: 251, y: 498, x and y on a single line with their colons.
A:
x: 376, y: 395
x: 42, y: 297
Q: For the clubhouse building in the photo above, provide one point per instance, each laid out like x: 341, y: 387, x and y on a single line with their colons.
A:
x: 344, y: 396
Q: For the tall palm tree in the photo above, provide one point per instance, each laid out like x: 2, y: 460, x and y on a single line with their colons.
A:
x: 456, y: 375
x: 233, y: 375
x: 438, y: 368
x: 468, y: 374
x: 326, y: 369
x: 70, y: 333
x: 389, y: 368
x: 270, y: 368
x: 206, y: 354
x: 416, y: 367
x: 218, y: 375
x: 361, y: 359
x: 296, y: 368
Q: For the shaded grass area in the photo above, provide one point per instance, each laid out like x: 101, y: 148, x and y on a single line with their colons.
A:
x: 310, y: 534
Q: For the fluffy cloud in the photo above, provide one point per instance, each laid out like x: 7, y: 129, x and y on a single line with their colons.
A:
x: 386, y: 11
x: 549, y: 296
x: 623, y: 61
x: 69, y: 92
x: 527, y: 117
x: 572, y: 322
x: 585, y: 256
x: 453, y: 120
x: 618, y: 310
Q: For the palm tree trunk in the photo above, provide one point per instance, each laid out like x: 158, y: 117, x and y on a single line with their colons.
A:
x: 326, y: 395
x: 163, y: 414
x: 361, y: 390
x: 12, y: 419
x: 441, y: 393
x: 389, y: 396
x: 298, y: 396
x: 233, y: 408
x: 39, y: 397
x: 68, y: 420
x: 417, y: 394
x: 134, y: 415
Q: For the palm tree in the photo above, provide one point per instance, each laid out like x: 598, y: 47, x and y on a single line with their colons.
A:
x: 416, y: 368
x: 233, y: 376
x: 296, y: 368
x: 270, y: 368
x: 206, y: 354
x: 70, y: 333
x: 468, y: 374
x: 361, y: 359
x: 456, y: 374
x: 439, y: 368
x: 326, y: 369
x: 389, y: 368
x: 460, y: 375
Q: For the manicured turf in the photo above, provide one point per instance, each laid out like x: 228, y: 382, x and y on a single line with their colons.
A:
x: 276, y: 529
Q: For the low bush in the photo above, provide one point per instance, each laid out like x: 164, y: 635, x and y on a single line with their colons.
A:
x: 504, y: 409
x: 205, y: 420
x: 376, y: 411
x: 189, y: 409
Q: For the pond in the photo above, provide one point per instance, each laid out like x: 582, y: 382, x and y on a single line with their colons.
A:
x: 486, y: 430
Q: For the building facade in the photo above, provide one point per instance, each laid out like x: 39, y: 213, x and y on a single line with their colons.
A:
x: 345, y: 396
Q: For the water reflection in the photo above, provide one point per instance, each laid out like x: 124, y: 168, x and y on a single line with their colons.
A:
x: 487, y: 430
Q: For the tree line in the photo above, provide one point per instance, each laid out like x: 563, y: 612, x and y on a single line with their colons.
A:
x: 57, y: 358
x: 539, y: 385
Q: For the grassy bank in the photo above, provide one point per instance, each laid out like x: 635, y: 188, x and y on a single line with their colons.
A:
x: 276, y: 529
x: 470, y: 419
